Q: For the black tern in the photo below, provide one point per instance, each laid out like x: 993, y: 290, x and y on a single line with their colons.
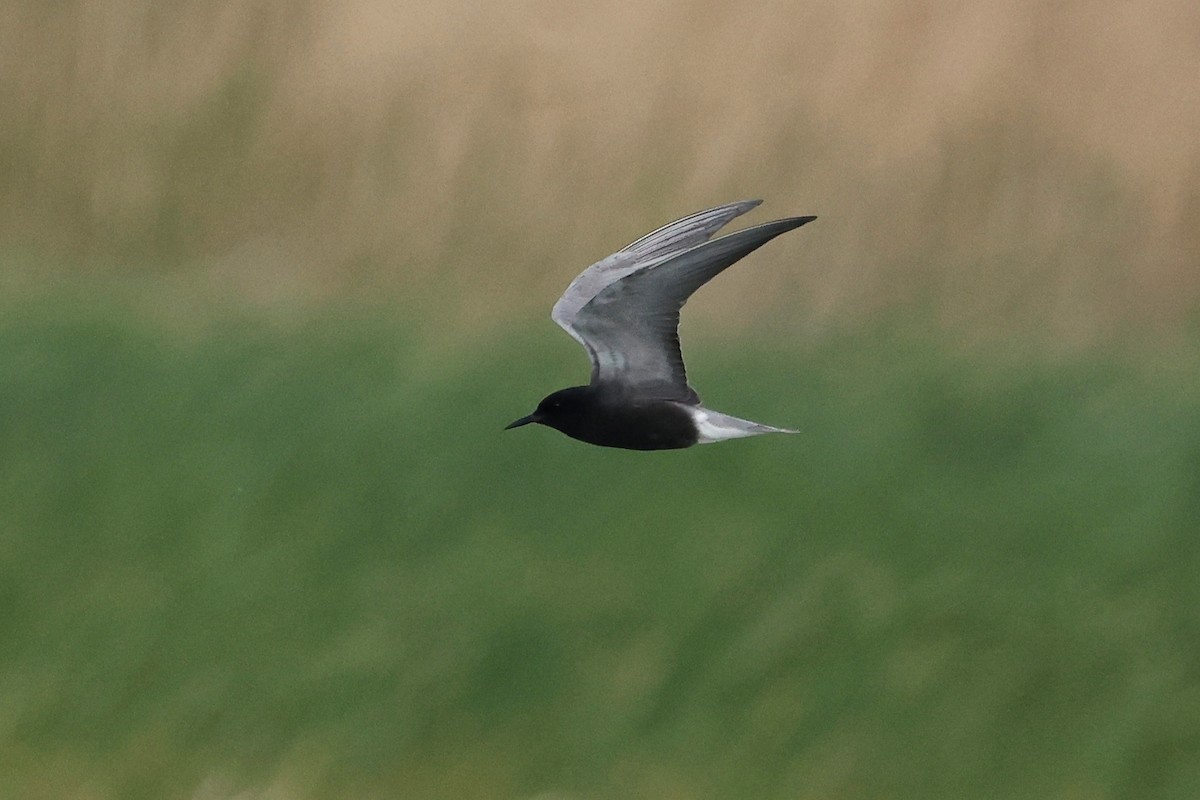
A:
x: 624, y: 310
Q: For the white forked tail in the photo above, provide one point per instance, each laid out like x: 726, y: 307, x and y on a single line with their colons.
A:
x: 713, y: 426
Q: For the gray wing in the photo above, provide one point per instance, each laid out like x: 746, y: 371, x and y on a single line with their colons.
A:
x: 672, y: 238
x: 631, y: 327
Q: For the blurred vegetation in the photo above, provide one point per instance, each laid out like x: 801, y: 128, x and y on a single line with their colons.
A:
x: 1012, y: 166
x: 273, y: 276
x: 309, y: 563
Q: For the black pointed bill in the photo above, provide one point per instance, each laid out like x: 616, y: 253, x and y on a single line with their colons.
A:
x: 518, y: 423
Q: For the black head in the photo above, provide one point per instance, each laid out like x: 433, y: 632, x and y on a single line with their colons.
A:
x: 560, y: 409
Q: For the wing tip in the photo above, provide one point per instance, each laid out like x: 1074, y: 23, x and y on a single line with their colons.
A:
x: 790, y: 223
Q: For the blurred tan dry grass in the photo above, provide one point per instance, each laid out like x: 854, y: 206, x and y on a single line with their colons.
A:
x: 1027, y: 163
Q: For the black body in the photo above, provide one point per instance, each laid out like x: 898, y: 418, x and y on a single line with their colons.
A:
x: 603, y: 416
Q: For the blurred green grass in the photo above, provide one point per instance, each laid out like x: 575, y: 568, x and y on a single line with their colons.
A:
x: 261, y: 538
x: 302, y: 560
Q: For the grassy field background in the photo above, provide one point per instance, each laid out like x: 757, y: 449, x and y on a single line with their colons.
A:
x: 310, y: 564
x: 273, y: 276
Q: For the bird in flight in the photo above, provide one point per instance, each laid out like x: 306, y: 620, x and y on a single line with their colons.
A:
x: 624, y: 310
